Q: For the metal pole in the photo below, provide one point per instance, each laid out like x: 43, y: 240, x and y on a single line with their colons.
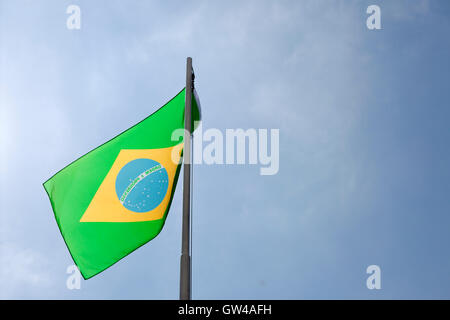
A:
x: 185, y: 263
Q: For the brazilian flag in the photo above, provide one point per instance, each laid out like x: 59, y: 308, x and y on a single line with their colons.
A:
x: 116, y: 197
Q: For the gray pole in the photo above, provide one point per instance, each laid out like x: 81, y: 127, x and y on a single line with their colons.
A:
x: 185, y: 263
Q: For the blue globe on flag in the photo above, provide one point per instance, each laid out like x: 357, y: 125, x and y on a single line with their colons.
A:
x: 141, y: 185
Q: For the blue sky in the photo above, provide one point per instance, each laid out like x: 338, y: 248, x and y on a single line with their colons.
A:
x: 364, y: 154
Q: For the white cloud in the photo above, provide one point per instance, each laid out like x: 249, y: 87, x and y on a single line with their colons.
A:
x: 6, y: 132
x: 21, y: 270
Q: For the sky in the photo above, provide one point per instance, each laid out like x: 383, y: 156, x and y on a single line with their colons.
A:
x: 364, y: 175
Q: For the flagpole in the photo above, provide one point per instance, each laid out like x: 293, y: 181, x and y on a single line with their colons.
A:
x: 185, y: 260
